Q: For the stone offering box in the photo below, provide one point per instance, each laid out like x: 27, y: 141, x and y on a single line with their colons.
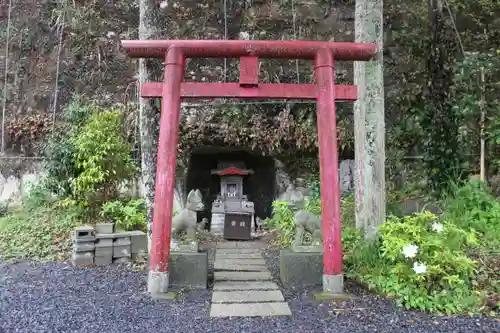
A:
x: 101, y: 246
x: 301, y: 268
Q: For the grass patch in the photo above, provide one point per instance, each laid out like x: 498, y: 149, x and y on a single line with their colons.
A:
x: 38, y: 234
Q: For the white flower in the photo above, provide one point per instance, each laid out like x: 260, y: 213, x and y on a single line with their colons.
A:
x: 110, y: 34
x: 174, y: 245
x: 437, y: 227
x: 419, y: 268
x: 163, y: 4
x: 410, y: 251
x: 244, y: 35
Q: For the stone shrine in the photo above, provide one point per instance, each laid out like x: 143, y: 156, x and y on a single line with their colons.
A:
x: 232, y: 213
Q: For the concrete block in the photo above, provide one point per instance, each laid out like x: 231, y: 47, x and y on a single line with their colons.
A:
x: 122, y: 260
x: 84, y: 258
x: 83, y: 247
x: 104, y: 236
x: 122, y: 241
x: 139, y: 242
x: 250, y: 310
x: 83, y: 234
x: 104, y: 228
x: 104, y: 252
x: 189, y: 269
x: 301, y: 268
x: 247, y: 296
x: 103, y: 260
x: 121, y: 251
x: 104, y: 242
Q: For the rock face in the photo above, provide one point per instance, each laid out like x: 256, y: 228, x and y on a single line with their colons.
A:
x: 346, y: 173
x: 283, y: 180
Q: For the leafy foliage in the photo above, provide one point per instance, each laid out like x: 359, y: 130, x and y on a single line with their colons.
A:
x: 473, y: 206
x: 59, y: 151
x: 103, y: 157
x: 283, y: 220
x: 129, y: 215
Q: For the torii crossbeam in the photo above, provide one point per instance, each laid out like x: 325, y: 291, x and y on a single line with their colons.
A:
x: 172, y: 90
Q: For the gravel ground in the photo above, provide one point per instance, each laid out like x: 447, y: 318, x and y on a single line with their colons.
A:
x: 57, y: 298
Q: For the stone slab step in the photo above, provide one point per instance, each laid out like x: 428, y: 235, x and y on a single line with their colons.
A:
x: 247, y: 296
x: 235, y: 267
x: 245, y: 285
x: 242, y: 276
x: 239, y: 251
x: 245, y: 261
x: 237, y: 256
x: 250, y: 310
x: 240, y: 245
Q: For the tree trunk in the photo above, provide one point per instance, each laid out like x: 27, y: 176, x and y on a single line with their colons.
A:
x: 147, y: 114
x: 369, y: 123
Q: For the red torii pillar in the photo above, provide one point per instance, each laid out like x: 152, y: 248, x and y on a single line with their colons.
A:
x: 172, y: 90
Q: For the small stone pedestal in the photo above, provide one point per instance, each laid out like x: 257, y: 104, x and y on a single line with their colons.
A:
x: 188, y: 269
x: 301, y: 268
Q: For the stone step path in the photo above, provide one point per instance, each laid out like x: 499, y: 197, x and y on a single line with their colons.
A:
x: 243, y: 285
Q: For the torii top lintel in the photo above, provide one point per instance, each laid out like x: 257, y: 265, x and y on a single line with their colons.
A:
x: 306, y: 50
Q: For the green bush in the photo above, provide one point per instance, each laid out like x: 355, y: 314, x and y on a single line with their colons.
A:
x: 59, y: 151
x: 88, y: 155
x: 103, y: 157
x: 473, y: 206
x: 422, y: 263
x: 128, y: 216
x: 282, y: 220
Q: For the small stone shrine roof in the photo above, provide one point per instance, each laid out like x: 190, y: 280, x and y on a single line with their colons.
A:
x: 231, y: 169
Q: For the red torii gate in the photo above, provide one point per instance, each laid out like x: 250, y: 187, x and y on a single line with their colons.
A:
x: 172, y: 90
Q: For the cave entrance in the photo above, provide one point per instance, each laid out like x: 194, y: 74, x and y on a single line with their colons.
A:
x: 259, y: 186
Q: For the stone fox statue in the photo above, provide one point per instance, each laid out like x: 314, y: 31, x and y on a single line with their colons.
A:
x: 186, y: 219
x: 304, y: 220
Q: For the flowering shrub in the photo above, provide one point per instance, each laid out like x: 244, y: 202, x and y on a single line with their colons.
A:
x: 422, y: 263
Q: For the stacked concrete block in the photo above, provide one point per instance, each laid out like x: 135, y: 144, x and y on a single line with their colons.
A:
x: 103, y: 249
x: 122, y: 248
x: 139, y: 246
x: 83, y: 246
x: 106, y: 247
x: 104, y: 228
